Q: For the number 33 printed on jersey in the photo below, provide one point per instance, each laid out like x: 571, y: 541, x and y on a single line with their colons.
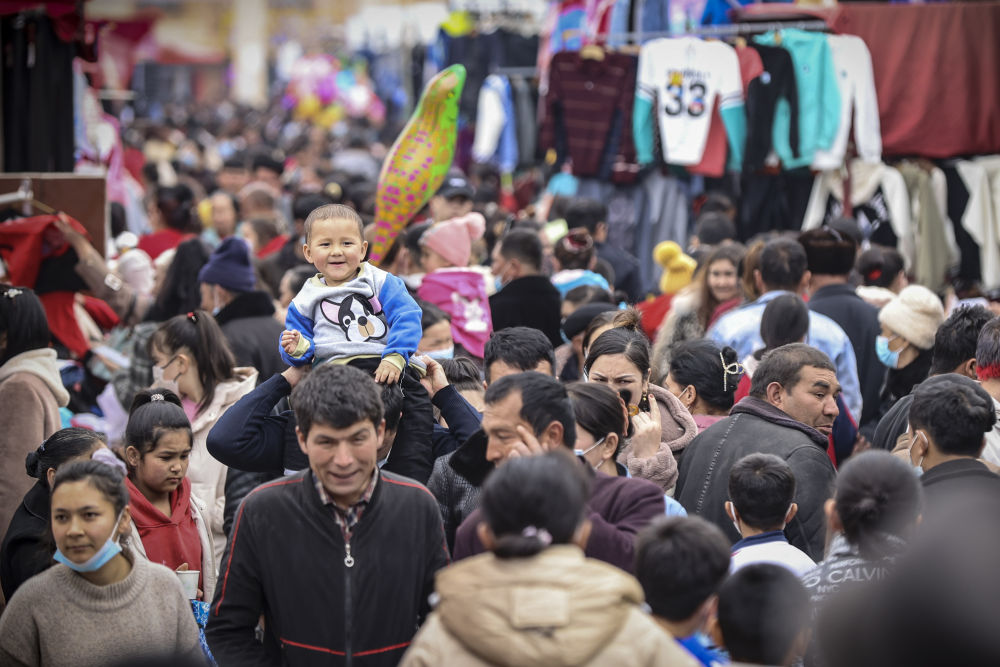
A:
x: 680, y: 101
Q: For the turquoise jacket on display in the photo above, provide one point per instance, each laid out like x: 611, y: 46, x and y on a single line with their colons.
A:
x: 819, y: 96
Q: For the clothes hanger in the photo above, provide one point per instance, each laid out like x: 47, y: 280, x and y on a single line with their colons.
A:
x: 25, y: 194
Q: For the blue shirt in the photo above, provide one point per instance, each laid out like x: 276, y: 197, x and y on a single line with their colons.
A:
x: 706, y: 656
x: 740, y: 329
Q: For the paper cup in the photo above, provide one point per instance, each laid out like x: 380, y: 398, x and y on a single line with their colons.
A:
x: 189, y: 581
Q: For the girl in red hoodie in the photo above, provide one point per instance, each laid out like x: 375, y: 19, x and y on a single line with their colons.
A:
x: 168, y: 520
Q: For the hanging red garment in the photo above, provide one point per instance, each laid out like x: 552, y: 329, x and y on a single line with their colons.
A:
x: 62, y: 321
x: 713, y: 160
x: 25, y: 242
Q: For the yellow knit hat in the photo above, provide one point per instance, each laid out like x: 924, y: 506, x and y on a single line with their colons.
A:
x: 678, y: 268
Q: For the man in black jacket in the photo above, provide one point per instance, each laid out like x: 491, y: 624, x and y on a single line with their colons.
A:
x: 245, y: 314
x: 830, y: 255
x: 593, y: 215
x: 527, y: 298
x: 789, y: 413
x: 949, y: 417
x: 340, y: 558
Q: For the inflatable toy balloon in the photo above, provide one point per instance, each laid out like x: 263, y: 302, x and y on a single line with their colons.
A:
x: 419, y: 160
x: 326, y: 90
x: 329, y: 116
x: 308, y: 107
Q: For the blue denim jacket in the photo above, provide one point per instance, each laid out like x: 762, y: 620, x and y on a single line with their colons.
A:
x: 740, y: 329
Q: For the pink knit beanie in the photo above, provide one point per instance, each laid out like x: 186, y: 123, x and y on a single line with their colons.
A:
x: 452, y: 239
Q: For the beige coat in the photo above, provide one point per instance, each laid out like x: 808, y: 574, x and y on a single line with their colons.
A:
x: 31, y: 394
x: 555, y: 609
x: 208, y: 475
x: 209, y: 565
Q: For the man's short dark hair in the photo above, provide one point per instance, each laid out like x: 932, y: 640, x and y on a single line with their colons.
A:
x: 522, y: 348
x: 680, y: 562
x: 955, y: 410
x: 543, y: 400
x: 988, y: 350
x: 338, y: 397
x: 713, y: 228
x: 524, y: 246
x: 763, y: 608
x: 306, y: 203
x: 828, y: 252
x: 587, y: 213
x: 782, y: 264
x: 392, y: 404
x: 717, y: 202
x: 784, y: 365
x: 956, y: 339
x: 462, y: 374
x: 761, y: 487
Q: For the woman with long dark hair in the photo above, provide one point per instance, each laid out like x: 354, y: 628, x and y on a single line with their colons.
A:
x: 192, y: 359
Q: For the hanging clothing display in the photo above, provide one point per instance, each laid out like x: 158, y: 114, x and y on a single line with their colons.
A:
x: 819, y: 96
x: 496, y: 125
x: 935, y: 251
x: 775, y: 83
x: 526, y: 121
x: 979, y: 218
x: 37, y: 96
x: 970, y: 266
x: 685, y: 76
x: 773, y: 201
x: 880, y: 202
x: 856, y: 81
x: 586, y: 112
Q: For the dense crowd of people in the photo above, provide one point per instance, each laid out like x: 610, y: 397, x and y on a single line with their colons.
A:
x: 495, y: 447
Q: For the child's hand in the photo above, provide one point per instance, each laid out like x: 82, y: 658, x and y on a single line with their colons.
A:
x: 290, y: 341
x: 387, y: 373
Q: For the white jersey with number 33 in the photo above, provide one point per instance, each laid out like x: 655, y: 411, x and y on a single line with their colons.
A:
x: 683, y: 77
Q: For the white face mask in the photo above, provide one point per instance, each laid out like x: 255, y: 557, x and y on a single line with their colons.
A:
x: 160, y: 382
x: 584, y: 452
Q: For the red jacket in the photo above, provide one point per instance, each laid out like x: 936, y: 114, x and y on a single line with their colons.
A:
x: 172, y: 540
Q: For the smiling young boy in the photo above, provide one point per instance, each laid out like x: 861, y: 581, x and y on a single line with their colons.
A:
x: 352, y: 312
x: 350, y: 309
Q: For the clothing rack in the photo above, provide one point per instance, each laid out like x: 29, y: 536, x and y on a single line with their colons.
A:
x: 702, y: 31
x: 728, y: 30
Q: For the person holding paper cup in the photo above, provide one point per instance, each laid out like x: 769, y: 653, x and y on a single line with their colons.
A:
x: 168, y: 519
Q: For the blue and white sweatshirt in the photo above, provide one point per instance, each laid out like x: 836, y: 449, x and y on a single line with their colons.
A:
x: 371, y: 315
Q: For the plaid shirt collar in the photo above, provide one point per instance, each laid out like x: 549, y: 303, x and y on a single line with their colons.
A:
x: 347, y: 519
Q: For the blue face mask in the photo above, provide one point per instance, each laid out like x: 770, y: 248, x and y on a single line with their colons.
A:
x: 885, y: 355
x: 103, y: 556
x: 446, y: 353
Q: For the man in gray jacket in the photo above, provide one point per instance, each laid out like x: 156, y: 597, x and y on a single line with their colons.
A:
x: 789, y: 413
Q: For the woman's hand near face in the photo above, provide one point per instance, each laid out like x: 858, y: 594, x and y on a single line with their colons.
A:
x: 647, y: 431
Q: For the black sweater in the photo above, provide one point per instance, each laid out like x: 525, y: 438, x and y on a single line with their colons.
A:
x: 27, y: 548
x: 286, y: 560
x: 532, y: 301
